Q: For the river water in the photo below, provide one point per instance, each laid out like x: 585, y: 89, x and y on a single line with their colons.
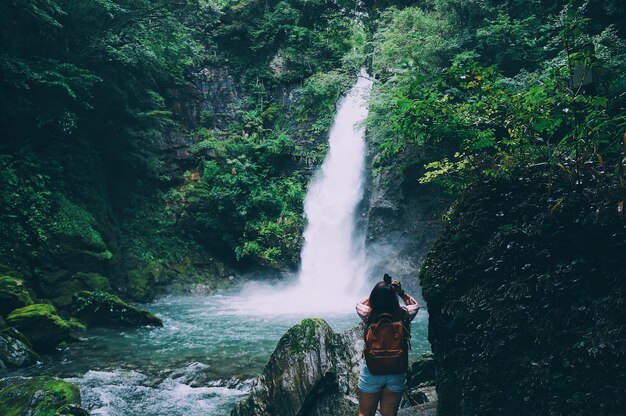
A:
x: 200, y: 363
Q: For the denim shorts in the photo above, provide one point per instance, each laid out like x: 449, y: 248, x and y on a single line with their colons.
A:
x: 369, y: 383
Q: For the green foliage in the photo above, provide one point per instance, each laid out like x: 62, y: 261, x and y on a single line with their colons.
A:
x: 74, y: 222
x: 286, y: 40
x: 464, y: 120
x: 408, y: 40
x: 244, y: 203
x: 319, y: 98
x: 25, y: 206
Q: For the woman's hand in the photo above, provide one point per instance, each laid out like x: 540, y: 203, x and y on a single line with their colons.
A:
x: 397, y: 287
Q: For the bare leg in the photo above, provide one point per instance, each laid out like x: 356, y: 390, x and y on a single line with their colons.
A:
x: 390, y: 402
x: 368, y: 402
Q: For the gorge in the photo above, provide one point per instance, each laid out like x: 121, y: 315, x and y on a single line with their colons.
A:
x: 159, y: 239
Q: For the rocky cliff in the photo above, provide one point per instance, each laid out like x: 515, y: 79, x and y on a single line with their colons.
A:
x: 526, y: 292
x: 403, y: 218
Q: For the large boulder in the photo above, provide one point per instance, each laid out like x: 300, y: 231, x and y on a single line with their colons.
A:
x: 100, y: 308
x: 526, y: 292
x: 41, y: 396
x: 15, y: 353
x: 13, y: 295
x: 312, y: 370
x: 41, y: 325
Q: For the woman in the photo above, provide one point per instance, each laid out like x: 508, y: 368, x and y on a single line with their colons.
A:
x: 386, y: 389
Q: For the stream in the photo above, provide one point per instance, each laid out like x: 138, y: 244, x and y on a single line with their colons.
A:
x: 200, y: 363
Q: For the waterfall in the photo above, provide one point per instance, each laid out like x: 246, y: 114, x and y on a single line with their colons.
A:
x: 333, y: 268
x: 333, y: 255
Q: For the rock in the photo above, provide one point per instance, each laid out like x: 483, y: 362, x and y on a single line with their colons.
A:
x: 15, y: 353
x: 100, y: 308
x: 71, y: 410
x: 13, y: 295
x: 422, y: 371
x: 41, y: 396
x: 427, y: 409
x: 63, y: 292
x: 75, y: 242
x: 526, y: 291
x: 76, y: 325
x: 421, y: 382
x: 402, y: 223
x: 141, y: 282
x: 41, y: 325
x: 312, y: 370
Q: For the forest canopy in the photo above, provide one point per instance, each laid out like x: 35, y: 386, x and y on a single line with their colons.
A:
x: 91, y: 91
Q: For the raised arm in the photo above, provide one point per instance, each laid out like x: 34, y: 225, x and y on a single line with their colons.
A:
x: 411, y: 305
x: 363, y: 309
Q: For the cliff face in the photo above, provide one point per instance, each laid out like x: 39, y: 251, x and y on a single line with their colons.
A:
x: 526, y: 292
x: 402, y: 220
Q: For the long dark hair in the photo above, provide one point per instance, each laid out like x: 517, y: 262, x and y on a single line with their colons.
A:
x: 383, y: 299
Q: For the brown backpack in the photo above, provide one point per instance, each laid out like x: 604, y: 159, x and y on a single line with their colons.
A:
x: 387, y: 343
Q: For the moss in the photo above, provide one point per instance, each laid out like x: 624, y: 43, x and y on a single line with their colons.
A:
x: 75, y: 223
x: 13, y: 295
x: 36, y: 310
x: 41, y: 324
x: 305, y: 336
x: 41, y: 396
x: 76, y: 325
x: 138, y: 285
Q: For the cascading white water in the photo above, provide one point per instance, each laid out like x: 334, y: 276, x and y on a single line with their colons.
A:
x: 333, y: 255
x: 333, y: 264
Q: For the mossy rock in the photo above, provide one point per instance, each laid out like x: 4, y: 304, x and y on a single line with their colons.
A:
x: 140, y: 283
x: 100, y: 308
x: 41, y: 396
x: 13, y: 295
x: 14, y: 353
x: 74, y: 223
x: 41, y: 325
x: 308, y: 373
x: 79, y: 282
x: 76, y: 325
x: 74, y: 237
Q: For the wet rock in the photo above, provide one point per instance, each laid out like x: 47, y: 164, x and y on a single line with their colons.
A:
x: 42, y: 396
x: 14, y: 353
x: 13, y: 295
x: 420, y: 382
x: 422, y: 371
x: 41, y: 325
x: 312, y: 370
x: 100, y: 308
